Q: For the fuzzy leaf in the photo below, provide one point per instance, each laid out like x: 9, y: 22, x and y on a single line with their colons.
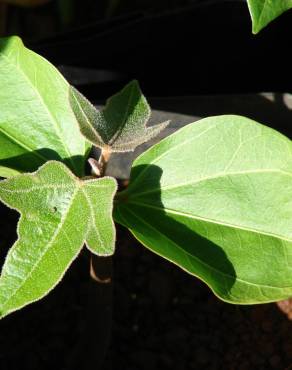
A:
x: 36, y: 120
x: 264, y: 11
x: 59, y: 212
x: 215, y: 198
x: 121, y: 125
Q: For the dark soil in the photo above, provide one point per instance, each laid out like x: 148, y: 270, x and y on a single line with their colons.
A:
x: 163, y: 318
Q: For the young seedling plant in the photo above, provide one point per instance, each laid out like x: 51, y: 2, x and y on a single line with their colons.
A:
x: 214, y: 198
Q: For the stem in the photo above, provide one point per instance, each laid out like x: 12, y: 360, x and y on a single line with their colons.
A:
x: 100, y: 290
x: 100, y: 271
x: 98, y: 314
x: 103, y: 160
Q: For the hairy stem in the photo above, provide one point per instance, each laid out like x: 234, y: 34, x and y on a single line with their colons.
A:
x: 100, y: 288
x: 103, y: 160
x: 97, y: 263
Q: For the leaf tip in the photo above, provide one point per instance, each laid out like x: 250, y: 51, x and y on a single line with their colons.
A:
x: 256, y: 29
x: 133, y: 84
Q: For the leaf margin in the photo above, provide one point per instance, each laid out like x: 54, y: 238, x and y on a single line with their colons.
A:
x: 19, y: 222
x: 118, y: 216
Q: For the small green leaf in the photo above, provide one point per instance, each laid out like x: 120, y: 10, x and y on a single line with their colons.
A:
x: 36, y: 120
x: 215, y: 198
x: 121, y: 125
x: 59, y: 213
x: 264, y: 11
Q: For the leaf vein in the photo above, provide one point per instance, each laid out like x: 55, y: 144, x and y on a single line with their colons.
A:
x: 48, y: 246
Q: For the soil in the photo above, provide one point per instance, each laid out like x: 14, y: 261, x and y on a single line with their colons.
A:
x: 163, y: 318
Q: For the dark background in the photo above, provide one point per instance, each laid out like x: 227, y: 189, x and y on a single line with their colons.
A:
x: 173, y: 47
x: 163, y: 318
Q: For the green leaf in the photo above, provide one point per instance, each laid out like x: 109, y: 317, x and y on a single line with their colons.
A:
x: 215, y: 198
x: 59, y: 212
x: 264, y: 11
x: 36, y: 120
x: 121, y: 125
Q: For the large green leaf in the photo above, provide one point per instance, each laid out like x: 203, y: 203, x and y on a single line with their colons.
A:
x: 59, y: 213
x: 264, y: 11
x: 215, y: 198
x: 36, y: 120
x: 121, y: 125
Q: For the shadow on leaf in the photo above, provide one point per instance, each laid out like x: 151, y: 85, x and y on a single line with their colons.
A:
x: 170, y: 236
x: 31, y: 161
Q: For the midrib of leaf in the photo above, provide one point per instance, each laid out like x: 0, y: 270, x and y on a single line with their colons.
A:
x: 33, y: 188
x: 217, y: 176
x: 121, y: 127
x: 168, y: 150
x: 54, y: 237
x: 87, y: 120
x: 55, y: 123
x: 262, y: 12
x: 193, y: 256
x: 87, y: 198
x: 210, y: 220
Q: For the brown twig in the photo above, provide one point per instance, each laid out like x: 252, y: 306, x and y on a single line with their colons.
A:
x: 100, y: 268
x: 103, y: 160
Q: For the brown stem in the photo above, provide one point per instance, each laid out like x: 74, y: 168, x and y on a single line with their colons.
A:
x: 100, y: 290
x: 97, y: 271
x: 97, y: 264
x: 103, y: 160
x: 101, y: 269
x: 98, y: 314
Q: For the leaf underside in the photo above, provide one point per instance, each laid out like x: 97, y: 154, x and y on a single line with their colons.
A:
x: 264, y: 11
x: 215, y: 198
x: 121, y: 125
x: 59, y: 213
x: 36, y: 120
